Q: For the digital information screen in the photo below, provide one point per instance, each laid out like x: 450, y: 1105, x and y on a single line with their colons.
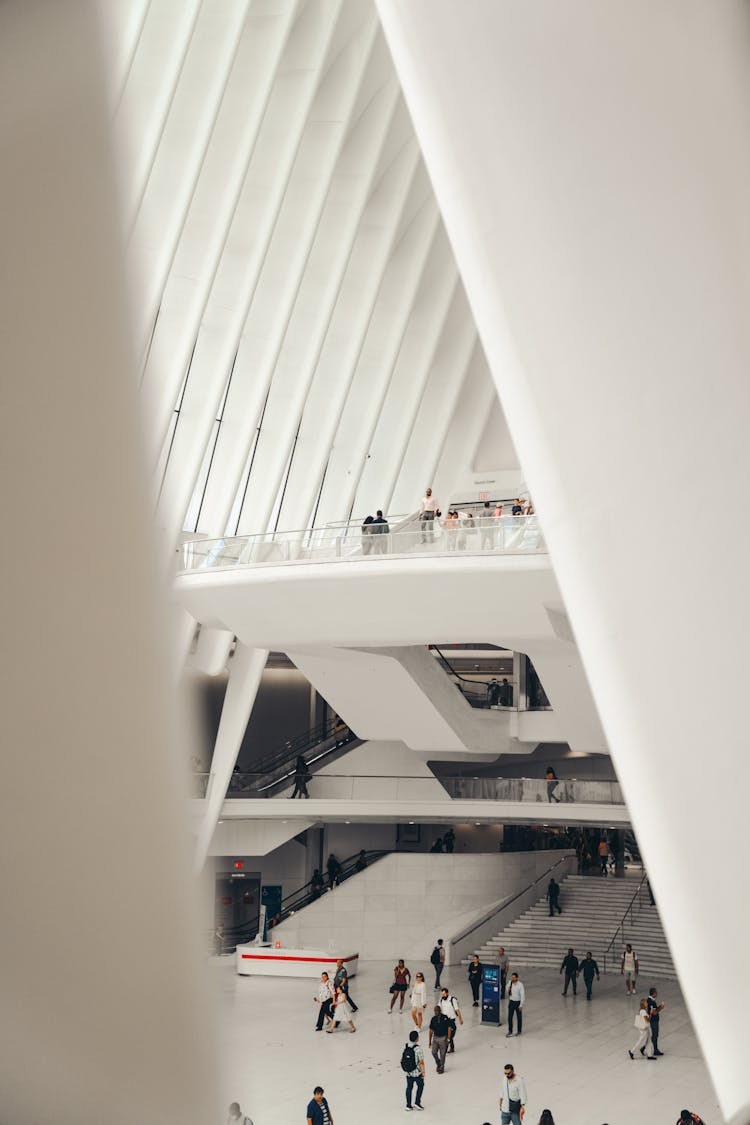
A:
x: 491, y: 994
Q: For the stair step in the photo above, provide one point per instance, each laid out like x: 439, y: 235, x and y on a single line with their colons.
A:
x: 592, y: 913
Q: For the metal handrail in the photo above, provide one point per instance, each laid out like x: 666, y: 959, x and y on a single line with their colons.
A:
x: 302, y: 897
x: 621, y: 925
x: 483, y: 921
x: 339, y: 734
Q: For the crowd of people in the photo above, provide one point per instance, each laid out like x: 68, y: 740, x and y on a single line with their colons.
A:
x: 491, y: 520
x: 438, y: 1037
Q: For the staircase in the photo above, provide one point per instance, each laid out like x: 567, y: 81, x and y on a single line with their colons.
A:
x: 592, y: 910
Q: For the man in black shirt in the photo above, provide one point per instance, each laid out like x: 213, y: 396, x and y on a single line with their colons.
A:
x: 570, y: 964
x: 380, y: 528
x: 475, y: 978
x: 654, y: 1011
x: 553, y: 897
x: 439, y: 1029
x: 590, y: 969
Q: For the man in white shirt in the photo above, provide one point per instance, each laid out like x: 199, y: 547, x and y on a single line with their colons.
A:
x: 629, y: 967
x: 427, y: 513
x: 513, y: 1097
x: 516, y: 1001
x: 449, y: 1007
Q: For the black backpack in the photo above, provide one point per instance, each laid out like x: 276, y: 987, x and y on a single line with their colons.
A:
x: 408, y: 1059
x: 435, y: 956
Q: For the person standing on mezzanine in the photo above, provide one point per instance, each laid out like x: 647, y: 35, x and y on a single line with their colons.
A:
x: 429, y: 509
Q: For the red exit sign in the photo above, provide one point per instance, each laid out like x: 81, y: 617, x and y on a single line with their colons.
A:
x: 238, y: 864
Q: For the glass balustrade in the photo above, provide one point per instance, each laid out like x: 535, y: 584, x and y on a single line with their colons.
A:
x: 508, y: 535
x: 565, y: 791
x: 379, y: 787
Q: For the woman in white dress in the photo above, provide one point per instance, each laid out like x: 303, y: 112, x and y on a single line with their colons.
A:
x: 341, y: 1011
x: 418, y: 999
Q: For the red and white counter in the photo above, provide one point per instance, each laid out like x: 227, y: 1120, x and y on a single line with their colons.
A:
x: 267, y: 961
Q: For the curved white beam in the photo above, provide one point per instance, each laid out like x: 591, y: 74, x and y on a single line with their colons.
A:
x: 593, y: 170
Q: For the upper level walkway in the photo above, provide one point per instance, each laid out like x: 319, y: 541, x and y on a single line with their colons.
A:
x: 321, y: 593
x: 355, y: 541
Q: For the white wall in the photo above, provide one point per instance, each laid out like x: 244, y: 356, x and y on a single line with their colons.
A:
x: 400, y: 905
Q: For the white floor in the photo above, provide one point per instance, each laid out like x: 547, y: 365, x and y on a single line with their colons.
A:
x: 573, y: 1055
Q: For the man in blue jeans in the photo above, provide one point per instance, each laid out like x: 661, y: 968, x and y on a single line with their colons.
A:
x: 512, y: 1096
x: 415, y: 1077
x: 318, y: 1110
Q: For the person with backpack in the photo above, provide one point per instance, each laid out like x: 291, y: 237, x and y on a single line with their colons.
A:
x: 449, y: 1007
x: 412, y: 1064
x: 437, y: 960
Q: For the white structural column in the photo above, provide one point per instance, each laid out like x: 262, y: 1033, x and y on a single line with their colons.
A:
x: 92, y: 791
x: 245, y: 672
x: 593, y: 170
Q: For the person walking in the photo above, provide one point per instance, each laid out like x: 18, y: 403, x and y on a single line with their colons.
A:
x: 401, y: 981
x: 654, y: 1011
x: 318, y: 1109
x: 513, y: 1097
x: 570, y: 965
x: 493, y: 693
x: 644, y: 1033
x: 301, y: 777
x: 317, y: 886
x: 552, y: 784
x: 335, y: 871
x: 341, y: 980
x: 439, y: 1034
x: 449, y: 840
x: 506, y: 693
x: 342, y: 1012
x: 380, y: 531
x: 412, y: 1063
x: 629, y: 968
x: 324, y: 997
x: 418, y: 1000
x: 589, y: 969
x: 437, y: 960
x: 553, y: 896
x: 603, y: 850
x: 449, y: 1007
x: 504, y: 965
x: 236, y: 1116
x: 475, y: 978
x: 427, y: 512
x: 516, y: 1001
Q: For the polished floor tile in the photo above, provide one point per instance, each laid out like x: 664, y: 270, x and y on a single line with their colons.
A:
x: 573, y: 1055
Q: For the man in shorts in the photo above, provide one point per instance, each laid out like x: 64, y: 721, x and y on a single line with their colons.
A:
x: 629, y: 968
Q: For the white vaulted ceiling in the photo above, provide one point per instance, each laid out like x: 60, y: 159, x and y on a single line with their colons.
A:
x: 303, y: 339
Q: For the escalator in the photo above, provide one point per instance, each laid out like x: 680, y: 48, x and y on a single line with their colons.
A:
x: 233, y: 936
x: 319, y: 746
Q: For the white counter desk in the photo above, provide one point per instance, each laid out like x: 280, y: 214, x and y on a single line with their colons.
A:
x: 267, y: 961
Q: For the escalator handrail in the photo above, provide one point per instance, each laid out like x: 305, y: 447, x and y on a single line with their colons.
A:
x: 304, y: 894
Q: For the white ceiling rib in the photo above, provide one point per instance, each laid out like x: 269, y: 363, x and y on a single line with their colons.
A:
x: 302, y: 329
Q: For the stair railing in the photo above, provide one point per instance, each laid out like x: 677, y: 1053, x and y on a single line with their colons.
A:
x: 303, y: 896
x: 628, y: 915
x: 496, y: 909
